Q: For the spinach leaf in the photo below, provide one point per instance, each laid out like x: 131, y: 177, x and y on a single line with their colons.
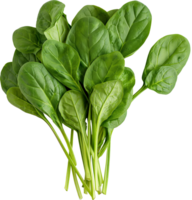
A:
x: 17, y: 99
x: 62, y: 61
x: 8, y: 77
x: 49, y: 13
x: 73, y: 108
x: 90, y: 38
x: 105, y: 68
x: 19, y: 59
x: 129, y: 27
x: 112, y: 12
x: 171, y: 50
x: 162, y: 80
x: 59, y: 31
x: 128, y: 80
x: 105, y: 98
x: 94, y: 11
x: 41, y: 89
x: 26, y: 40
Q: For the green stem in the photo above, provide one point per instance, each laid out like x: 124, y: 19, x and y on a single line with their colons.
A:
x: 143, y: 88
x: 69, y: 158
x: 77, y: 185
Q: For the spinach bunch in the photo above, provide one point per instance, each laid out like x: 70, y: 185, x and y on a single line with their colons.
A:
x: 76, y: 75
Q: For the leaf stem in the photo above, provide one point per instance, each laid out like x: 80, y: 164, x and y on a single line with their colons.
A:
x: 142, y: 89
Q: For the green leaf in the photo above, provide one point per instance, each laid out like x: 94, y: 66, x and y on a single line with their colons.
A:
x: 8, y: 77
x: 105, y: 68
x: 41, y: 89
x: 26, y: 40
x: 81, y: 72
x: 128, y: 79
x: 94, y: 11
x: 59, y: 31
x: 114, y: 123
x: 90, y: 38
x: 129, y: 27
x: 105, y: 98
x: 19, y: 59
x: 162, y: 80
x: 16, y: 98
x: 171, y: 50
x: 73, y: 108
x: 49, y: 13
x: 112, y: 12
x: 62, y: 61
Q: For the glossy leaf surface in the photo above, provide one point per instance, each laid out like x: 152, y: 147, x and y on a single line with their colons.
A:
x: 90, y: 38
x: 73, y: 108
x: 129, y: 27
x: 62, y: 61
x: 162, y: 80
x: 171, y: 50
x: 8, y: 77
x: 17, y: 99
x: 105, y: 68
x: 41, y: 89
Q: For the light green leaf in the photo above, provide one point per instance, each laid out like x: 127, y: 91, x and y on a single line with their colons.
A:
x: 112, y: 12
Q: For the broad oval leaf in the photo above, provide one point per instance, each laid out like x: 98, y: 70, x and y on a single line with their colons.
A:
x: 171, y: 50
x: 49, y: 13
x: 41, y: 89
x: 129, y: 27
x: 94, y: 11
x: 128, y: 80
x: 59, y: 31
x: 17, y: 99
x: 105, y: 98
x: 73, y: 108
x: 105, y: 68
x: 90, y: 38
x: 19, y: 59
x: 8, y: 77
x: 162, y: 80
x: 62, y: 61
x: 27, y: 40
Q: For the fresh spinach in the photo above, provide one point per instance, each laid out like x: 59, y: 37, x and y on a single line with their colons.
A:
x: 76, y: 75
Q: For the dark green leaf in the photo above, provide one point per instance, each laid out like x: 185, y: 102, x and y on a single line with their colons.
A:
x: 41, y: 89
x: 105, y: 68
x: 62, y: 61
x: 19, y: 59
x: 171, y: 50
x: 73, y: 108
x: 26, y: 40
x: 8, y: 77
x: 129, y: 27
x: 162, y: 80
x: 112, y: 12
x: 16, y: 98
x: 49, y: 13
x: 94, y: 11
x: 90, y: 38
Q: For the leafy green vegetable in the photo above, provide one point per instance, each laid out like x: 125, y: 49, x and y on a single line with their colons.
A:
x: 162, y: 79
x: 129, y: 27
x: 49, y: 13
x: 105, y: 68
x: 76, y: 75
x: 171, y: 50
x: 8, y: 77
x: 94, y: 11
x: 90, y: 38
x: 16, y: 98
x: 26, y: 40
x: 41, y: 89
x: 59, y: 31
